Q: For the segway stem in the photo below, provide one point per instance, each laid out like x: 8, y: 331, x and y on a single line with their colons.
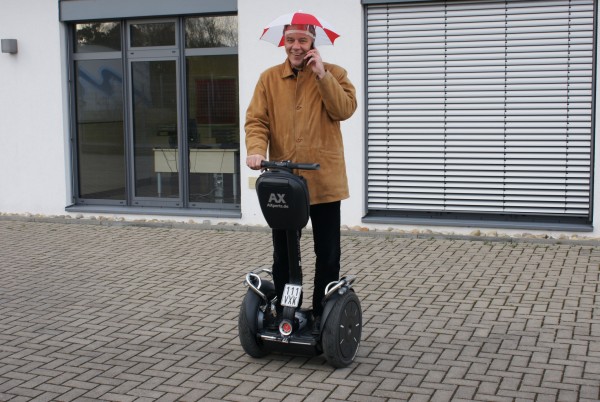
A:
x: 295, y: 267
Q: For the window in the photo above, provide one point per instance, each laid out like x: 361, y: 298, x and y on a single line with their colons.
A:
x: 99, y: 112
x: 212, y: 109
x: 480, y: 110
x: 156, y: 113
x: 151, y: 34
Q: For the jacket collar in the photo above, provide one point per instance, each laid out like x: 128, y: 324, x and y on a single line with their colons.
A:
x: 286, y: 69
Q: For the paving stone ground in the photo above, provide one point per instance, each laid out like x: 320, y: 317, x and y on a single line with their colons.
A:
x: 133, y: 313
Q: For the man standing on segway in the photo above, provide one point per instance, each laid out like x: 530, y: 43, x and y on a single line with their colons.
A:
x: 295, y: 115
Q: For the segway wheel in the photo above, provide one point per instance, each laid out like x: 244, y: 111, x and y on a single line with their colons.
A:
x: 248, y: 325
x: 342, y: 330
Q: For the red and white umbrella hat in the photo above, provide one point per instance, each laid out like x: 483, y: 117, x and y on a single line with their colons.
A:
x: 324, y: 33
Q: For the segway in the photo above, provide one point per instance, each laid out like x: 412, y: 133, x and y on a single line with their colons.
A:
x: 284, y: 201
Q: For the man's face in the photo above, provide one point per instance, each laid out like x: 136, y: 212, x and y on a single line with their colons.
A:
x: 296, y: 46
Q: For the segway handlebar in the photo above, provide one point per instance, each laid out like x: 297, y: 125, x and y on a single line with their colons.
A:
x: 289, y: 165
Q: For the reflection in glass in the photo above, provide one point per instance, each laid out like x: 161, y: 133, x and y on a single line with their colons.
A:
x: 154, y: 89
x: 97, y: 37
x: 101, y: 153
x: 153, y: 34
x: 211, y: 32
x: 213, y: 129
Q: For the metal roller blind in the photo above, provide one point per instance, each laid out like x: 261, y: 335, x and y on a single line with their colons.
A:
x: 85, y: 10
x: 480, y: 107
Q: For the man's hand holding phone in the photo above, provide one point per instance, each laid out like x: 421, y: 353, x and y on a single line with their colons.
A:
x: 314, y: 61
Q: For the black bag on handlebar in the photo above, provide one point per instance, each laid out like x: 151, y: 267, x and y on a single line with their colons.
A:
x: 283, y: 199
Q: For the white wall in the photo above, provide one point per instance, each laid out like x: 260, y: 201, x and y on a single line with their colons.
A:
x: 256, y: 55
x: 32, y: 135
x: 35, y: 164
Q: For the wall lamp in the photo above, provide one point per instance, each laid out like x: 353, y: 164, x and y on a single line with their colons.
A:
x: 9, y: 46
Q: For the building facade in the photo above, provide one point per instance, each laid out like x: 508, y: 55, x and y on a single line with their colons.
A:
x: 474, y: 114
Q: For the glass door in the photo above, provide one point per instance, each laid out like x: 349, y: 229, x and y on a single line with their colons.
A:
x: 155, y: 128
x: 155, y: 111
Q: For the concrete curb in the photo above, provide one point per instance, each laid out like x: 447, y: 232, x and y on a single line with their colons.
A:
x: 207, y: 225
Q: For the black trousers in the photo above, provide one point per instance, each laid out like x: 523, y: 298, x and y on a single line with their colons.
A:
x: 325, y: 219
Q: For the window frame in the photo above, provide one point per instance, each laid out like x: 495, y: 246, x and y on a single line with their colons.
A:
x: 131, y: 205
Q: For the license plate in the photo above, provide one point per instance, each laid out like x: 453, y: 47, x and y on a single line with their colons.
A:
x: 291, y: 295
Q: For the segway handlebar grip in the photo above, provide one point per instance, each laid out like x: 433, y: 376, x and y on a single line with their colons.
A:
x: 289, y: 165
x: 306, y: 166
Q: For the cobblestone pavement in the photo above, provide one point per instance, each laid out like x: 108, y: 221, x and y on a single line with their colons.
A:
x: 137, y: 313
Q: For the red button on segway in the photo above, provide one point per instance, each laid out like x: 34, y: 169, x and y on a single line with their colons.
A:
x: 285, y: 328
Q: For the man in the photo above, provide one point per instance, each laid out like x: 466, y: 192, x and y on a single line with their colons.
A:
x: 295, y: 115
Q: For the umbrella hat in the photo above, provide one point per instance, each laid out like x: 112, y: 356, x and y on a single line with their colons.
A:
x: 324, y: 32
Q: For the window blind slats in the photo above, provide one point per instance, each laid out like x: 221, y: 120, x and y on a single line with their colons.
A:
x: 480, y: 106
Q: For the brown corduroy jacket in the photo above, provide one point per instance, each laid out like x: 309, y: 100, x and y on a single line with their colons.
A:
x: 298, y: 118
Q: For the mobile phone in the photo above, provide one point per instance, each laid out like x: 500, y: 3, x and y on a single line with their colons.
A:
x: 312, y: 46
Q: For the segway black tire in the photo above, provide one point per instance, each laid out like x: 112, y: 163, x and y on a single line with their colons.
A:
x: 248, y: 326
x: 342, y: 329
